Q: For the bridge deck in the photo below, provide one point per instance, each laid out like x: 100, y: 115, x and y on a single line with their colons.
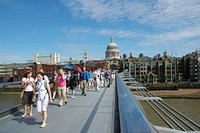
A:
x: 93, y: 113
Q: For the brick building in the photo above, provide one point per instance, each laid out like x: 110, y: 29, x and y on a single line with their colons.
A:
x: 18, y: 73
x: 163, y: 68
x: 191, y: 66
x: 156, y: 69
x: 95, y: 64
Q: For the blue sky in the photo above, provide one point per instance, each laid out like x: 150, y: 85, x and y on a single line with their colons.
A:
x: 70, y: 26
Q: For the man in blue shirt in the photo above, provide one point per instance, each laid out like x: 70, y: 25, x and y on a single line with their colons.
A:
x: 84, y: 77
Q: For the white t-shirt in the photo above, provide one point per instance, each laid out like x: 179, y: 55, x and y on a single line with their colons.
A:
x: 45, y: 78
x: 113, y: 76
x: 28, y: 87
x: 42, y: 91
x: 97, y: 73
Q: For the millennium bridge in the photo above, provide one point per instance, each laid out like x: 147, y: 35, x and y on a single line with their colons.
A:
x: 112, y: 110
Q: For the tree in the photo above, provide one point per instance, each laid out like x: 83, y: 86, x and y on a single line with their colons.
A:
x: 114, y: 67
x: 165, y: 77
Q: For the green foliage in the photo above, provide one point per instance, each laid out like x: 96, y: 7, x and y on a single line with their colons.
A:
x: 114, y: 67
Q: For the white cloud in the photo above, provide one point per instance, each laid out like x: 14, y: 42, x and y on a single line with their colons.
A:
x: 171, y: 37
x: 119, y: 33
x: 157, y: 13
x: 76, y: 50
x: 84, y: 31
x: 10, y: 56
x: 6, y: 58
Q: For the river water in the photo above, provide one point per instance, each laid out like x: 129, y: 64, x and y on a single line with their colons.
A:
x: 8, y: 100
x: 189, y: 107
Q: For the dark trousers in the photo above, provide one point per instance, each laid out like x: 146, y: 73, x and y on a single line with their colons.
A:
x: 108, y: 80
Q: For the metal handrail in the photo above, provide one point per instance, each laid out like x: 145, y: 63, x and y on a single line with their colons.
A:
x: 10, y: 83
x: 16, y: 82
x: 146, y: 93
x: 132, y: 119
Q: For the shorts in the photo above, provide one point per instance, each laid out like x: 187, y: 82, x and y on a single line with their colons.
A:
x: 27, y: 98
x: 67, y: 83
x: 42, y: 103
x: 72, y: 87
x: 90, y: 80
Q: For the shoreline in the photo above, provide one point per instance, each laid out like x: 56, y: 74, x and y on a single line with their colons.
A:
x: 174, y: 94
x: 12, y: 93
x: 180, y: 97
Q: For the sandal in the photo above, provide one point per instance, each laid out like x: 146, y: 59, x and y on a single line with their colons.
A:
x: 23, y: 116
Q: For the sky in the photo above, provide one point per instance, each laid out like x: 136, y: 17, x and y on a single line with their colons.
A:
x: 70, y: 26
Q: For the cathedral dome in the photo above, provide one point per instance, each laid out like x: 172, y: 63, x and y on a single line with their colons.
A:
x: 112, y: 45
x: 112, y: 50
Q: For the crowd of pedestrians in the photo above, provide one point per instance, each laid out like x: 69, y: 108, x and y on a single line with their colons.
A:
x: 38, y: 89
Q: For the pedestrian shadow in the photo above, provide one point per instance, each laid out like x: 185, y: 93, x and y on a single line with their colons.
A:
x: 92, y: 90
x: 53, y: 104
x: 28, y: 121
x: 18, y: 114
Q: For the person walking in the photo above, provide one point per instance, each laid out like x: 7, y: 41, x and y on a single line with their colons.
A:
x: 73, y: 84
x: 97, y: 79
x: 61, y: 82
x: 84, y: 77
x: 90, y: 79
x: 102, y: 78
x: 44, y: 97
x: 28, y: 85
x: 94, y: 77
x: 78, y: 81
x: 67, y: 80
x: 54, y: 84
x: 45, y: 77
x: 113, y: 76
x: 108, y: 77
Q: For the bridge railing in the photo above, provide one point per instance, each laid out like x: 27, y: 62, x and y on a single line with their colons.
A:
x: 132, y: 119
x: 14, y: 108
x: 10, y: 83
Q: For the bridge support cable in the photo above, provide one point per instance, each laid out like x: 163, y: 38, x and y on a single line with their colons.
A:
x: 142, y: 91
x: 161, y: 116
x: 181, y: 114
x: 159, y: 102
x: 164, y: 112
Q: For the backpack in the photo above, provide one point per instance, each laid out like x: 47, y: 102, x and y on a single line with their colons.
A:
x: 45, y: 85
x: 107, y: 74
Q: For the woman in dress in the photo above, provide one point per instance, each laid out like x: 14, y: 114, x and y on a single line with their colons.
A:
x: 73, y: 84
x: 28, y: 85
x: 44, y: 97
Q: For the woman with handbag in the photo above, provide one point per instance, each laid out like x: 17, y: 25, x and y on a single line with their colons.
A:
x: 44, y: 96
x: 28, y: 85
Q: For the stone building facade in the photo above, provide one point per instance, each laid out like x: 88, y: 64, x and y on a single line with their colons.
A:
x: 163, y: 68
x: 53, y: 58
x: 147, y: 69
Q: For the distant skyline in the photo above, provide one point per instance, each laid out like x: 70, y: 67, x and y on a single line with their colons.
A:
x: 70, y: 26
